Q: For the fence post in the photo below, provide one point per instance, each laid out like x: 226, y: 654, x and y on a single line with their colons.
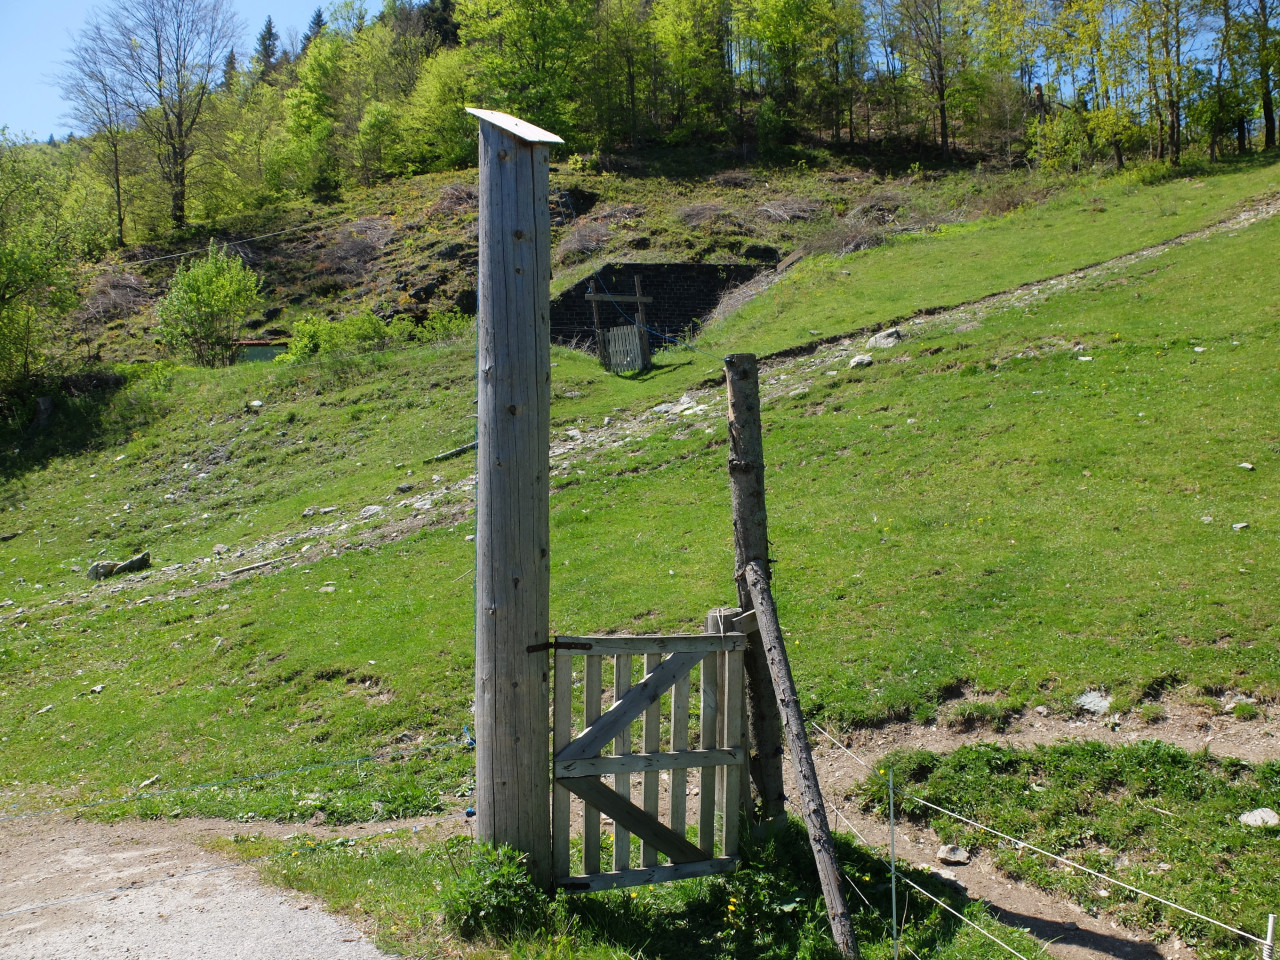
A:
x: 513, y: 387
x: 751, y: 543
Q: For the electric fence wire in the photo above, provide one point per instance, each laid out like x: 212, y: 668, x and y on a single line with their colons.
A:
x: 246, y: 778
x: 232, y: 243
x: 1053, y: 856
x: 939, y: 902
x: 657, y: 333
x: 129, y: 888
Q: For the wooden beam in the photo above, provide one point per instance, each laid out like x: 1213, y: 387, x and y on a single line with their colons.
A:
x: 651, y: 739
x: 811, y: 804
x: 562, y: 732
x: 621, y: 747
x: 678, y: 643
x: 644, y: 762
x: 751, y: 543
x: 592, y: 690
x: 512, y: 590
x: 648, y: 828
x: 646, y: 877
x: 629, y: 706
x: 617, y: 298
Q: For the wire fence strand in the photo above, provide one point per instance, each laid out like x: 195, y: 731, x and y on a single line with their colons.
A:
x: 1053, y: 856
x: 657, y: 333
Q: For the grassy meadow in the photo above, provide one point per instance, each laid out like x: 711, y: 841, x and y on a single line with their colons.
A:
x: 987, y: 519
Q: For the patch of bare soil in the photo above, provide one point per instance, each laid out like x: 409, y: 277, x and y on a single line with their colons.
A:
x: 150, y: 890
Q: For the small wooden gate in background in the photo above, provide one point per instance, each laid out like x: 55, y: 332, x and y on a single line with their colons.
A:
x: 718, y: 763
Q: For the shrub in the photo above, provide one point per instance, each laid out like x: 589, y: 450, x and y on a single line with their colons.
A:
x: 364, y: 332
x: 491, y: 894
x: 205, y: 307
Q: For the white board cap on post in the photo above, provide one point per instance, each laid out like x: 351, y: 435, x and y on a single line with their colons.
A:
x: 515, y: 126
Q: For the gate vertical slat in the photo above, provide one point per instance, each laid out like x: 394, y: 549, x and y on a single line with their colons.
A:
x: 680, y: 741
x: 732, y: 738
x: 652, y: 743
x: 563, y: 733
x: 709, y: 727
x: 592, y: 691
x: 621, y: 747
x: 722, y: 674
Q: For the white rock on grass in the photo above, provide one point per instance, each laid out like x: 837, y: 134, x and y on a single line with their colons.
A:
x: 861, y: 360
x: 1240, y: 526
x: 1262, y: 817
x: 368, y: 513
x: 885, y: 339
x: 1245, y: 466
x: 1095, y: 701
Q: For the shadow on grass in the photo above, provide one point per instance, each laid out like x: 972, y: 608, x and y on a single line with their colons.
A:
x: 81, y: 412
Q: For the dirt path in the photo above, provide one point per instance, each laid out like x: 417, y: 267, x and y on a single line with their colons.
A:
x: 149, y: 890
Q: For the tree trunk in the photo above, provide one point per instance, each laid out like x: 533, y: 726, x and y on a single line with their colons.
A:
x: 1115, y: 145
x: 1264, y: 75
x: 115, y: 176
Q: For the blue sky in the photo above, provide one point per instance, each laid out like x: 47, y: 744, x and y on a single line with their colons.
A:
x: 36, y: 36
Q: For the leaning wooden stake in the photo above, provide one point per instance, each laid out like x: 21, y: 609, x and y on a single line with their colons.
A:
x: 513, y: 570
x: 751, y: 543
x: 812, y: 806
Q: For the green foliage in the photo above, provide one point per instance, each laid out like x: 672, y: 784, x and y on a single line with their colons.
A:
x: 208, y: 300
x: 362, y: 332
x: 441, y: 134
x: 38, y: 240
x: 1060, y: 141
x: 491, y: 894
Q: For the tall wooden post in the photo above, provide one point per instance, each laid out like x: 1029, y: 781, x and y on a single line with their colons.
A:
x: 513, y: 571
x: 751, y: 544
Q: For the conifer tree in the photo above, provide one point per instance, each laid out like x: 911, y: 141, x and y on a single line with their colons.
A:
x: 268, y: 48
x: 313, y: 28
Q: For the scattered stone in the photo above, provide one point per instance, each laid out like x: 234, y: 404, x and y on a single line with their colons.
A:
x: 324, y: 510
x: 219, y: 549
x: 1206, y: 519
x: 102, y: 686
x: 470, y: 537
x: 328, y: 588
x: 885, y: 339
x: 608, y: 420
x: 573, y: 434
x: 255, y: 404
x: 146, y: 783
x: 861, y: 360
x: 815, y: 333
x: 1199, y: 349
x: 6, y: 537
x: 1070, y: 925
x: 1240, y: 526
x: 1246, y: 466
x: 664, y: 408
x: 1262, y: 817
x: 1084, y: 358
x: 953, y: 855
x: 947, y: 875
x: 45, y: 709
x: 114, y: 568
x: 368, y: 513
x: 1042, y: 710
x: 404, y: 488
x: 308, y: 512
x: 1095, y: 701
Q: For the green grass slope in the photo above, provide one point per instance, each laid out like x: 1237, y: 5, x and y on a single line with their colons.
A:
x: 992, y: 514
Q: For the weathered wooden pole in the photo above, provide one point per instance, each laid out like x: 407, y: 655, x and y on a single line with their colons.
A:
x: 751, y: 543
x: 513, y: 573
x: 812, y: 807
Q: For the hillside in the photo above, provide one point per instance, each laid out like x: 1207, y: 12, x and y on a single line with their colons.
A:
x: 1032, y: 496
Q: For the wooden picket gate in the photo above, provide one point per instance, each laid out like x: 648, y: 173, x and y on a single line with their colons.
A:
x: 605, y: 746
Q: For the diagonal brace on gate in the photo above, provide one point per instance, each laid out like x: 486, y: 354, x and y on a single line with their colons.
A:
x: 629, y: 706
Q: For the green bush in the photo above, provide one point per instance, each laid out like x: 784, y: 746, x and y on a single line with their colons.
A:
x: 491, y: 894
x: 364, y: 332
x: 207, y: 302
